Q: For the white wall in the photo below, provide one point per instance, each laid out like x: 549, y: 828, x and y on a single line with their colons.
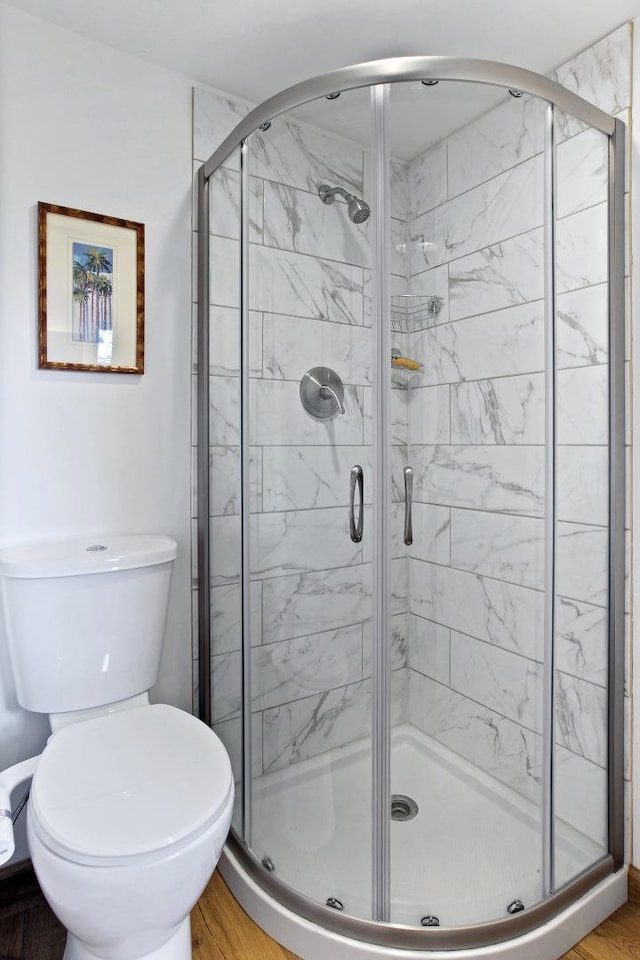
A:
x: 85, y: 126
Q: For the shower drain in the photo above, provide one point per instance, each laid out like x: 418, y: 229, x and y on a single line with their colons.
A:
x: 403, y: 807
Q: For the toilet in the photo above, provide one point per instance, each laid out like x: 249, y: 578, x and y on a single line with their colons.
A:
x: 130, y: 802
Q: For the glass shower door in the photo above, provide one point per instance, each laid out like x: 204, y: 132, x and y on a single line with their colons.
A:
x: 468, y: 402
x: 308, y: 547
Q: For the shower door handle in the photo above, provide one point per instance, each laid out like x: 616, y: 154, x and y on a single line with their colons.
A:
x: 408, y: 498
x: 357, y: 479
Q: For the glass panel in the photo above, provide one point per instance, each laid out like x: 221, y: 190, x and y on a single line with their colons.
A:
x: 582, y: 500
x: 224, y: 469
x: 468, y: 402
x: 311, y: 344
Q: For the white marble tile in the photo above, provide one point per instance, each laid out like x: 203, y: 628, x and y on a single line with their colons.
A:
x: 225, y: 480
x: 601, y: 75
x: 278, y: 417
x: 399, y: 197
x: 306, y: 728
x: 581, y: 795
x: 505, y: 343
x: 583, y: 326
x: 398, y: 247
x: 226, y: 556
x: 224, y: 411
x: 303, y: 156
x: 503, y: 547
x: 293, y: 345
x: 295, y: 542
x: 581, y: 640
x: 428, y: 180
x: 302, y: 478
x: 504, y: 614
x: 398, y: 183
x: 505, y: 682
x: 224, y: 272
x: 582, y: 172
x: 224, y: 342
x: 399, y: 586
x: 500, y: 747
x: 400, y: 404
x: 429, y: 416
x: 287, y: 283
x: 214, y: 117
x: 309, y: 727
x: 429, y: 649
x: 507, y: 410
x: 299, y: 605
x: 226, y: 686
x: 226, y: 617
x: 506, y: 206
x: 301, y: 541
x: 502, y: 275
x: 224, y: 205
x: 431, y: 532
x: 299, y: 221
x: 429, y: 283
x: 230, y: 732
x: 581, y: 562
x: 496, y: 141
x: 583, y: 405
x: 581, y: 718
x: 298, y: 285
x: 293, y: 669
x: 582, y: 484
x: 399, y: 643
x: 581, y: 258
x: 504, y: 479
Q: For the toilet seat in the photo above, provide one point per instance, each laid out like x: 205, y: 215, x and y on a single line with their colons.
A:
x: 129, y: 784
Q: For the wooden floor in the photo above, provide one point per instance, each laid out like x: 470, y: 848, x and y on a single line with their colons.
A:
x: 28, y: 928
x: 222, y: 930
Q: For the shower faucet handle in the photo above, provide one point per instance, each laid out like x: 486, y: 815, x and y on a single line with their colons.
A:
x: 322, y: 393
x: 326, y: 391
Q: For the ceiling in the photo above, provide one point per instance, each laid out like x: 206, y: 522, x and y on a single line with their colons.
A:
x: 254, y: 48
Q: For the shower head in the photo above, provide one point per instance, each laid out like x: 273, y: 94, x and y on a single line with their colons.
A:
x: 358, y: 210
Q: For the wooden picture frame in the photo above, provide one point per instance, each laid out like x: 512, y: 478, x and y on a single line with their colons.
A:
x: 91, y: 291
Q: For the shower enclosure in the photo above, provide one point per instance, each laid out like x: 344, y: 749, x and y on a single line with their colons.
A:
x: 411, y: 497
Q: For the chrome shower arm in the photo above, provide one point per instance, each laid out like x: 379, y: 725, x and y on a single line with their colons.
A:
x: 328, y: 194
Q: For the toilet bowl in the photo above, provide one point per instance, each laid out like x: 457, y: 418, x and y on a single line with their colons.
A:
x: 127, y: 819
x: 130, y: 802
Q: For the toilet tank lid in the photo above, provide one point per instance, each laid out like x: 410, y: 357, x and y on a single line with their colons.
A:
x: 77, y: 557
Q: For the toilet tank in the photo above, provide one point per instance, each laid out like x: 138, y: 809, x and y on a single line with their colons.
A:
x: 85, y: 619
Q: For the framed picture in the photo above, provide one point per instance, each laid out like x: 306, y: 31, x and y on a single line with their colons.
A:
x: 91, y: 291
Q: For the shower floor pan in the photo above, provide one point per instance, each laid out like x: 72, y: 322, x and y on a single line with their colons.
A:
x: 473, y: 848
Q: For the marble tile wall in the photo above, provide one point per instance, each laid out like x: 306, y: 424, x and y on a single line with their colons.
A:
x: 468, y: 603
x: 476, y: 427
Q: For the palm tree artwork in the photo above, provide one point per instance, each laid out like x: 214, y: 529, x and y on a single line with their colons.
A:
x: 92, y: 292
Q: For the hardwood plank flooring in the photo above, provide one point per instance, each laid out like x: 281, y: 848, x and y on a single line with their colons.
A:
x: 28, y: 928
x: 221, y: 930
